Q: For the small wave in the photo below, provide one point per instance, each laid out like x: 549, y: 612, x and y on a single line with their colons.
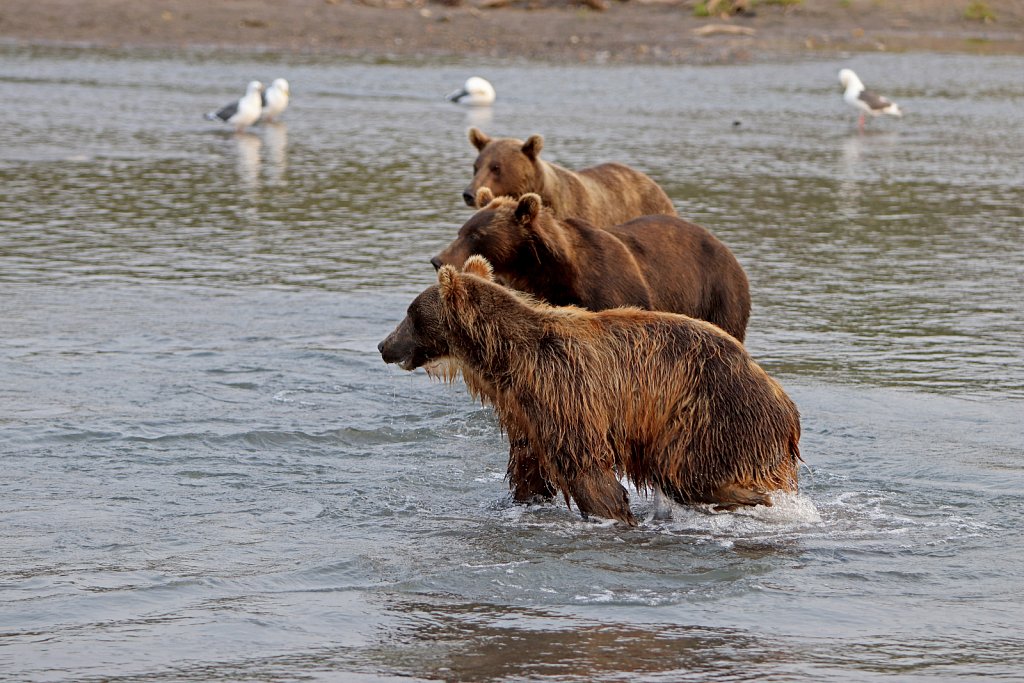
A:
x: 286, y: 396
x: 645, y: 597
x: 514, y: 563
x: 787, y: 508
x: 490, y: 477
x: 790, y: 512
x: 271, y: 438
x: 786, y: 518
x: 61, y: 436
x: 877, y: 516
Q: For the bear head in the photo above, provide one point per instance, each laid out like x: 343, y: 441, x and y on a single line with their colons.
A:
x: 515, y: 236
x: 507, y: 166
x: 424, y: 337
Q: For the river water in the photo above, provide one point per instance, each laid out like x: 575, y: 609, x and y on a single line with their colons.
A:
x: 209, y: 473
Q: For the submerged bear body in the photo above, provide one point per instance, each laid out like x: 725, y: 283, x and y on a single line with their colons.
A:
x: 664, y: 400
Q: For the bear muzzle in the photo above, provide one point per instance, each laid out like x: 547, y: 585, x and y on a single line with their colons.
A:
x: 469, y: 196
x: 392, y: 352
x: 401, y: 348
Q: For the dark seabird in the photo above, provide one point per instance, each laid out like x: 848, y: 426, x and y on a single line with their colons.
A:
x: 245, y: 111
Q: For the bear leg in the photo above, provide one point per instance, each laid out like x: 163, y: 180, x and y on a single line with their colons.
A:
x: 662, y: 505
x: 731, y: 496
x: 598, y: 492
x: 524, y: 474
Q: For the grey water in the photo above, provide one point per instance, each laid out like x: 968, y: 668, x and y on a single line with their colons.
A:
x: 209, y: 474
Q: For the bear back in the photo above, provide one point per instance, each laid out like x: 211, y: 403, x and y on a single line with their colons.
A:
x: 602, y: 195
x: 656, y: 262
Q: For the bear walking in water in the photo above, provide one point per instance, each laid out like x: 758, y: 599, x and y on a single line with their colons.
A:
x: 654, y: 262
x: 603, y: 195
x: 661, y: 263
x: 663, y: 399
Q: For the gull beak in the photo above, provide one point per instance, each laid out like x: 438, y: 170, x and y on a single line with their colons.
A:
x: 457, y: 95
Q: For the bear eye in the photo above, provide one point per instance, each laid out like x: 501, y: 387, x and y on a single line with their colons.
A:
x: 495, y: 169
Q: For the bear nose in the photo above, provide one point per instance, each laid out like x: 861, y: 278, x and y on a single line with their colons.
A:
x: 469, y: 198
x: 380, y: 348
x: 436, y: 262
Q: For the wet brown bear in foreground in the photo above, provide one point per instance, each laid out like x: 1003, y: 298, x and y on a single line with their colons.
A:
x: 663, y: 399
x: 661, y: 263
x: 604, y: 195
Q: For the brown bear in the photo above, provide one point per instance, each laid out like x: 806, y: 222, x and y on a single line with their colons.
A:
x: 602, y: 195
x: 665, y: 400
x: 660, y: 263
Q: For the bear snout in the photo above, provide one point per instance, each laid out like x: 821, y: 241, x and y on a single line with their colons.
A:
x: 436, y: 262
x: 382, y: 349
x: 390, y: 350
x: 469, y: 197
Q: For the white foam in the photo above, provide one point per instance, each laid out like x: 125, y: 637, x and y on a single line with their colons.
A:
x: 601, y: 596
x: 492, y: 565
x: 787, y: 510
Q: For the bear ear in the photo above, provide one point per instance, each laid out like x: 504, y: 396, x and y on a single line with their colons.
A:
x: 484, y: 196
x: 456, y: 300
x: 528, y: 207
x: 532, y: 147
x: 479, y: 266
x: 478, y: 138
x: 449, y: 285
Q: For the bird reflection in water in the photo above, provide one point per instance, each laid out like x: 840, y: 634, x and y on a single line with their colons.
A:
x: 275, y: 135
x: 248, y: 161
x: 479, y: 117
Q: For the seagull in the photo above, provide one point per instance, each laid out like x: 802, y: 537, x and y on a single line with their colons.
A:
x: 244, y: 112
x: 476, y: 92
x: 275, y: 99
x: 866, y: 101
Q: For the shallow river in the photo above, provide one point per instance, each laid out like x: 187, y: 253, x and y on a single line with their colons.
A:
x: 209, y: 473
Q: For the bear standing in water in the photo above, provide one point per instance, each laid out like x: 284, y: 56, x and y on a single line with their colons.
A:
x: 654, y: 262
x: 662, y: 399
x: 603, y: 195
x: 660, y: 263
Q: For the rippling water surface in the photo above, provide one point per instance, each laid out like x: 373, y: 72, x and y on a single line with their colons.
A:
x: 210, y: 474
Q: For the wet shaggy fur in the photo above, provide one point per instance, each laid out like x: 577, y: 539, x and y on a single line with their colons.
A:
x: 659, y: 263
x: 603, y: 195
x: 662, y: 399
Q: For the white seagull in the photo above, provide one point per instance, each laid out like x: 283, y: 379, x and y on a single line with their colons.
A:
x: 275, y: 99
x: 867, y: 102
x: 477, y: 92
x: 244, y: 112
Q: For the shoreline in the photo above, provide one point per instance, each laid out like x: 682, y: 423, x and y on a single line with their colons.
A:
x: 631, y: 32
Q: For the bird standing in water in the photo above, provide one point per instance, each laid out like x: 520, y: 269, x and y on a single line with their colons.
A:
x: 275, y: 99
x: 243, y: 112
x: 866, y: 101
